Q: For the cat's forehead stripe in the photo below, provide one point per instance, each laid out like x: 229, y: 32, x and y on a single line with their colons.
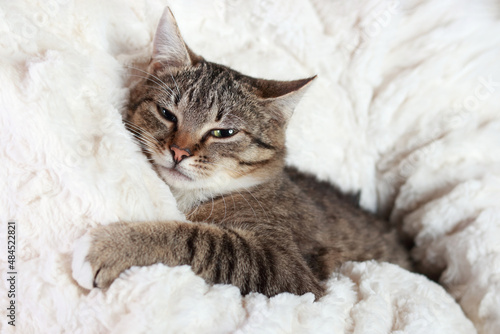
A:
x: 208, y: 88
x: 220, y: 113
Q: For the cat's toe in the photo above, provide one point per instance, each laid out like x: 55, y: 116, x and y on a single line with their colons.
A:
x: 105, y: 276
x: 80, y: 266
x: 101, y: 255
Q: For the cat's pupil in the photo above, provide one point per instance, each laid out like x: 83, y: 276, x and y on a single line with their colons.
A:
x: 167, y: 114
x: 223, y: 133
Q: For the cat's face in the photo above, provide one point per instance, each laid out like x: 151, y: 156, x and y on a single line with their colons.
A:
x: 204, y: 126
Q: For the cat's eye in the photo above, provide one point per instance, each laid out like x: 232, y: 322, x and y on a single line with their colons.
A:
x: 168, y: 115
x: 223, y: 133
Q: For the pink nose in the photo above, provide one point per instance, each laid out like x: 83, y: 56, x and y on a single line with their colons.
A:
x: 179, y: 153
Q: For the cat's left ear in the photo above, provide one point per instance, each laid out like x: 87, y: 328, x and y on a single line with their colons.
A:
x: 281, y: 97
x: 169, y: 48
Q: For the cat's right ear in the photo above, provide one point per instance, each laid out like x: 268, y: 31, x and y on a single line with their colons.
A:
x: 169, y: 49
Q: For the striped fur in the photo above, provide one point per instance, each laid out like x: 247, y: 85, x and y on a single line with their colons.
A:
x: 253, y: 223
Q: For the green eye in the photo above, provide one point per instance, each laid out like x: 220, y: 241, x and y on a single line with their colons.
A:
x: 223, y: 133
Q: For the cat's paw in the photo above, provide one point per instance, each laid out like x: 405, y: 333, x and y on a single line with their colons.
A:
x: 101, y: 255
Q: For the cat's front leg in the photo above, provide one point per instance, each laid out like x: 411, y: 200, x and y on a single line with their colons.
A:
x: 265, y: 261
x: 102, y: 254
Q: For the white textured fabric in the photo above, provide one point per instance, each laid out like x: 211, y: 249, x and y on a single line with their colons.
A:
x: 405, y: 109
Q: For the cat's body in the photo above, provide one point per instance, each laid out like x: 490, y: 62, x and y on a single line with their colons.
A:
x: 298, y: 218
x: 217, y: 138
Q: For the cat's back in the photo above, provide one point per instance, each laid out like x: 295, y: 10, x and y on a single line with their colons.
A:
x: 328, y: 198
x: 360, y: 234
x: 341, y: 211
x: 321, y: 192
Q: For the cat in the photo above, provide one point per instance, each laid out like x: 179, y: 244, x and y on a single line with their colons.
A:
x: 217, y: 138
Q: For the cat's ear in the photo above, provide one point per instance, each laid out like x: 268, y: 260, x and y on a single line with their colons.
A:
x: 169, y: 49
x: 281, y: 97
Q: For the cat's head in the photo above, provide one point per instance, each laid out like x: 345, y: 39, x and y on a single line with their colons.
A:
x: 207, y: 127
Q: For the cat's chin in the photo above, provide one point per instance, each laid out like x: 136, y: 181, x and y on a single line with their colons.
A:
x: 173, y: 177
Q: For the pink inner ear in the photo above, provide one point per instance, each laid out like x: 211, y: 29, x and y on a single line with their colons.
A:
x: 155, y: 66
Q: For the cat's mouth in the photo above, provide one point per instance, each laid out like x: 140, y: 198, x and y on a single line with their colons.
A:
x: 174, y: 174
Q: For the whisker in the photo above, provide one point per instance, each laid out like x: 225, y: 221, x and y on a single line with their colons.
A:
x: 154, y: 76
x: 143, y: 135
x: 225, y: 208
x: 250, y: 205
x: 143, y: 139
x: 213, y: 204
x: 146, y: 147
x: 241, y: 174
x: 169, y: 92
x: 171, y: 76
x: 144, y: 143
x: 234, y: 203
x: 193, y: 211
x: 175, y: 83
x: 135, y: 129
x: 260, y: 204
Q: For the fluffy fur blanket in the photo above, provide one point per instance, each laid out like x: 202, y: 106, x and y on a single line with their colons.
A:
x: 406, y: 109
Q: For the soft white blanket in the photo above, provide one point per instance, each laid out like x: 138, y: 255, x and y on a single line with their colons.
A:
x: 405, y: 109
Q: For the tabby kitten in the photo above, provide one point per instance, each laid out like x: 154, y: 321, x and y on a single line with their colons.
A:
x: 217, y: 138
